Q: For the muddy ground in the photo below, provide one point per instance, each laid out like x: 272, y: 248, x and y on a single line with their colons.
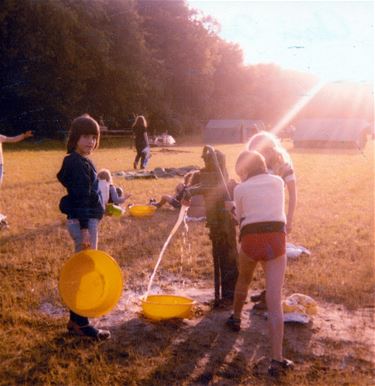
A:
x: 337, y: 344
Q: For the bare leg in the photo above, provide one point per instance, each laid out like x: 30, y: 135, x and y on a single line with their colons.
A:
x: 246, y: 269
x: 164, y: 199
x: 274, y: 272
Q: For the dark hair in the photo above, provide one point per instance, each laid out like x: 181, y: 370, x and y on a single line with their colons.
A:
x: 251, y: 163
x: 82, y: 125
x: 140, y: 121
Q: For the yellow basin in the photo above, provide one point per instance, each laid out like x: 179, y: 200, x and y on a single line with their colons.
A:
x: 142, y: 210
x: 90, y: 283
x: 161, y: 307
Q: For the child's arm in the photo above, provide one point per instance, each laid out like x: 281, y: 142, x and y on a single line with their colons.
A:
x: 117, y: 198
x: 18, y: 138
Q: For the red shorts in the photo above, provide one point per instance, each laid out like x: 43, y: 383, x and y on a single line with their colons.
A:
x: 264, y: 246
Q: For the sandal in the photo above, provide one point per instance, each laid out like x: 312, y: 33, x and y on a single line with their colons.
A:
x: 88, y: 330
x: 277, y: 368
x: 233, y: 323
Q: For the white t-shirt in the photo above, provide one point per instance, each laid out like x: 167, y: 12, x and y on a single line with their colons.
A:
x: 260, y: 199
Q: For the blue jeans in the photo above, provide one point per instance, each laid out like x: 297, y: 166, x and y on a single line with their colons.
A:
x: 144, y: 155
x: 75, y: 233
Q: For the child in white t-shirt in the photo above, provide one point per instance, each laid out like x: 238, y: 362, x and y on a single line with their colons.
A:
x: 279, y: 163
x: 259, y: 200
x: 110, y: 192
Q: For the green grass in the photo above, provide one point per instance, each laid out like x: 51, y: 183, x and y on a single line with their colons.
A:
x: 334, y: 219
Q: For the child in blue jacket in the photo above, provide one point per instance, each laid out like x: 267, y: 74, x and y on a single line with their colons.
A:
x: 83, y: 203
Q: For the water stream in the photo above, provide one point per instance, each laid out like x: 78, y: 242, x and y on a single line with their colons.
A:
x: 181, y: 217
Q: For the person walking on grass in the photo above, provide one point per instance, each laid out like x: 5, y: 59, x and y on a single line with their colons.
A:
x: 142, y: 145
x: 4, y: 139
x: 83, y: 203
x: 259, y: 203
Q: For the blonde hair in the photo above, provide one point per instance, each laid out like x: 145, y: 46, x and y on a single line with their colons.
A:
x: 105, y: 174
x: 250, y: 163
x: 265, y: 141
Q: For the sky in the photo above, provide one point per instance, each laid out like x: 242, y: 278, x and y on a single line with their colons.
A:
x: 331, y: 39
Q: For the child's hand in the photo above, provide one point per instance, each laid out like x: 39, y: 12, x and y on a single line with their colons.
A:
x: 85, y: 239
x: 185, y: 202
x: 126, y: 196
x: 28, y: 134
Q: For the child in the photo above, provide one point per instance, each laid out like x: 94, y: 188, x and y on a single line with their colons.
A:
x: 259, y: 200
x: 110, y: 193
x: 278, y: 162
x: 83, y: 203
x: 175, y: 200
x: 17, y: 138
x: 141, y: 142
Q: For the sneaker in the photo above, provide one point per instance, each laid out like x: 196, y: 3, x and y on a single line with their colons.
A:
x: 88, y: 331
x: 277, y: 368
x: 233, y: 323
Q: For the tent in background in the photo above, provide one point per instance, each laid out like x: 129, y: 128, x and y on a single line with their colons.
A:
x: 230, y: 130
x: 331, y: 133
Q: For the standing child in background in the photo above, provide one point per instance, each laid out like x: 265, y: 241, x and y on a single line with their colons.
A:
x: 4, y: 139
x: 141, y: 142
x: 278, y: 162
x: 110, y: 193
x: 259, y: 200
x: 83, y: 203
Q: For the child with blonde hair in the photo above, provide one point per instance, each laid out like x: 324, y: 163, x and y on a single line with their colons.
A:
x: 110, y: 192
x: 259, y: 201
x: 278, y: 162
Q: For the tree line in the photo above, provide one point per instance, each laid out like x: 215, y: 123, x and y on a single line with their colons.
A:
x: 113, y: 58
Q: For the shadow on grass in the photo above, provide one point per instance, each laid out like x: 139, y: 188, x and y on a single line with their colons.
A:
x: 186, y: 353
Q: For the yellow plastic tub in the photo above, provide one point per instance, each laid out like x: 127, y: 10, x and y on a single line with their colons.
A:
x: 162, y: 307
x: 142, y: 210
x: 90, y: 283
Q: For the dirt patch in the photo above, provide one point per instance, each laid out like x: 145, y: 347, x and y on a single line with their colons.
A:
x: 336, y: 336
x: 201, y: 350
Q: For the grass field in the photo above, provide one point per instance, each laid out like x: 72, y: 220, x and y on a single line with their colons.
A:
x: 334, y: 219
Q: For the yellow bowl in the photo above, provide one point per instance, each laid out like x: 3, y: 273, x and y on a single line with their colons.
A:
x: 142, y: 210
x: 90, y: 283
x: 161, y: 307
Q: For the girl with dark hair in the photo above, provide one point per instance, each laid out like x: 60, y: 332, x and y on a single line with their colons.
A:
x: 83, y: 203
x: 141, y: 142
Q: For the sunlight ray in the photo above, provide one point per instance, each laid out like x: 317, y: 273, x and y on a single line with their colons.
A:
x: 296, y: 108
